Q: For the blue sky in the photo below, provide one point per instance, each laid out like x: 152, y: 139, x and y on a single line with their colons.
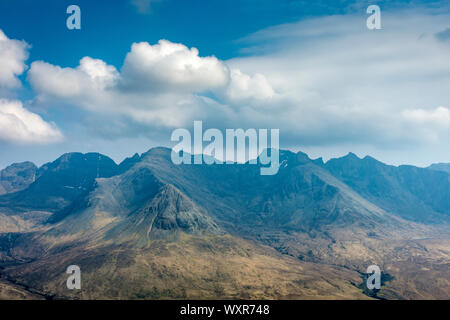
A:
x: 281, y: 64
x: 108, y: 27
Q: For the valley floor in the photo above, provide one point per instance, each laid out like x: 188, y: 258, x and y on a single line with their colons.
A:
x: 226, y: 267
x: 9, y: 291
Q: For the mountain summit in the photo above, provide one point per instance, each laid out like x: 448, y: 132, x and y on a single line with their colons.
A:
x: 17, y: 177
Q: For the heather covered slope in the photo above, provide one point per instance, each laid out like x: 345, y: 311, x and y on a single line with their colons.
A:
x: 207, y: 267
x: 10, y: 291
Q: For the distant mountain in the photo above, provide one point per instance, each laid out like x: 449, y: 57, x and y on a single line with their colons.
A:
x: 157, y: 193
x: 60, y: 182
x: 148, y: 228
x: 127, y: 163
x: 301, y: 196
x: 440, y: 167
x: 413, y: 193
x: 17, y: 177
x: 134, y: 207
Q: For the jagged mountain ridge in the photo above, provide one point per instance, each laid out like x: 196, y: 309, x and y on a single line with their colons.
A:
x: 305, y: 194
x: 16, y: 177
x: 55, y: 185
x: 133, y: 207
x: 440, y: 167
x: 301, y: 195
x: 304, y: 212
x: 413, y: 193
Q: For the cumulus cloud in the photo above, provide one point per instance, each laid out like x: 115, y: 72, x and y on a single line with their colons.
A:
x: 13, y: 54
x: 164, y: 85
x: 91, y: 75
x: 19, y: 125
x: 244, y: 87
x: 172, y: 66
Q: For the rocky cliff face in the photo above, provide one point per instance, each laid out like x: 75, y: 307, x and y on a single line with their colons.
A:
x: 17, y: 177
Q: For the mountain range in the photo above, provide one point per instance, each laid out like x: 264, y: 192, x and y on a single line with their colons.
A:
x: 149, y: 229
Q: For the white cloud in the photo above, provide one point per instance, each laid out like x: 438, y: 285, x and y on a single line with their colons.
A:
x: 346, y: 85
x: 162, y: 85
x: 101, y: 75
x: 172, y: 66
x: 89, y: 76
x: 244, y: 87
x: 439, y: 117
x: 13, y: 54
x: 328, y: 83
x: 432, y: 125
x: 19, y: 125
